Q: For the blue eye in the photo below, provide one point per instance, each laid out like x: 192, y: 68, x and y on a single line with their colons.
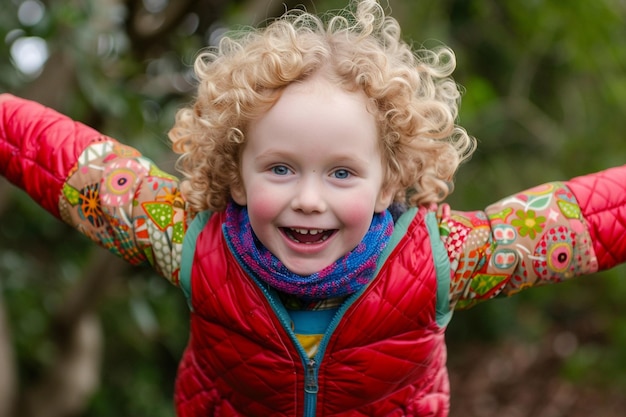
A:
x: 280, y: 170
x: 341, y: 174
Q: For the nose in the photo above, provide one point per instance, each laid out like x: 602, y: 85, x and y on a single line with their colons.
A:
x: 309, y: 196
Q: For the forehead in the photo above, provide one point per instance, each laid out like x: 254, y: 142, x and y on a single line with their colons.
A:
x: 316, y: 117
x: 332, y: 106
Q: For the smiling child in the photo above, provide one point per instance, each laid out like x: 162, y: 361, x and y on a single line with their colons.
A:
x: 309, y: 234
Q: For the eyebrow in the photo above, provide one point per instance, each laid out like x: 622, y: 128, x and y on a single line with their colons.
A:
x: 271, y: 154
x: 340, y: 159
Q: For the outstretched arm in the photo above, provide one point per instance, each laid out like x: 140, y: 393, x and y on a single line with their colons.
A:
x: 106, y: 190
x: 602, y: 201
x: 39, y: 147
x: 547, y: 234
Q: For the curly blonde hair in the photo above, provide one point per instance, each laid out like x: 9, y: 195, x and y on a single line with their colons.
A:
x: 413, y: 96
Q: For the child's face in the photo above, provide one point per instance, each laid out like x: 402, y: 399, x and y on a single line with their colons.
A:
x: 312, y: 175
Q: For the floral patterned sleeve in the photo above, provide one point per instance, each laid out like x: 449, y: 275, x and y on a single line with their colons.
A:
x: 121, y: 200
x: 533, y: 238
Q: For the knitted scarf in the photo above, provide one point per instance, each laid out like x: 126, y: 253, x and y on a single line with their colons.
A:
x: 346, y: 276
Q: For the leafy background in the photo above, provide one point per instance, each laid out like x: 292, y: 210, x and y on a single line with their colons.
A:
x: 82, y: 334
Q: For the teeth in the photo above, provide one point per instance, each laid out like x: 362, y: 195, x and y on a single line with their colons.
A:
x: 308, y: 231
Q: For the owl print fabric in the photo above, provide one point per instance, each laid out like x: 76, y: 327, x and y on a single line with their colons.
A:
x: 121, y: 200
x: 532, y: 238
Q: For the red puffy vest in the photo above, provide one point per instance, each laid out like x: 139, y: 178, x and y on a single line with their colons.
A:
x: 383, y: 355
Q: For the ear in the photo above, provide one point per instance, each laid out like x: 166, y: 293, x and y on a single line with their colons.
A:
x: 238, y: 193
x: 384, y: 199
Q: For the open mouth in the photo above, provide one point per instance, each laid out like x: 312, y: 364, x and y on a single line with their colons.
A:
x: 308, y: 236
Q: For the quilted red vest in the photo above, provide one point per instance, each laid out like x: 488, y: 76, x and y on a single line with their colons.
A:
x: 383, y: 355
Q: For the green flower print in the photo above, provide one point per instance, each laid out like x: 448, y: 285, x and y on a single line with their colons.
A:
x: 528, y: 223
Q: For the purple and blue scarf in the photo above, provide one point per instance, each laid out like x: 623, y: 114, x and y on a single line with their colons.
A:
x: 346, y: 276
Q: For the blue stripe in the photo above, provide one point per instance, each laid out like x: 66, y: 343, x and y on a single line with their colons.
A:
x: 189, y: 249
x: 442, y: 267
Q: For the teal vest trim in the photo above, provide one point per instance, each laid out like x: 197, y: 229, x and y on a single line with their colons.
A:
x: 442, y: 266
x: 189, y: 249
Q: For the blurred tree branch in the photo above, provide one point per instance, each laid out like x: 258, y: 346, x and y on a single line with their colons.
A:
x: 8, y: 376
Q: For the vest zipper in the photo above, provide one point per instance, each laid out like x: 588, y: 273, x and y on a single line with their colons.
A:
x: 311, y: 388
x: 311, y: 365
x: 311, y: 377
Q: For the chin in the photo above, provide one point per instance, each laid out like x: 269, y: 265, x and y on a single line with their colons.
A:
x: 305, y: 270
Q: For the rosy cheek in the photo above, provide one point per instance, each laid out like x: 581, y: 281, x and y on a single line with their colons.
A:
x: 357, y: 215
x: 262, y: 206
x: 355, y: 211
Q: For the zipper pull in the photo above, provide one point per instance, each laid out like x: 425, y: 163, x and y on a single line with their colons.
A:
x: 310, y: 383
